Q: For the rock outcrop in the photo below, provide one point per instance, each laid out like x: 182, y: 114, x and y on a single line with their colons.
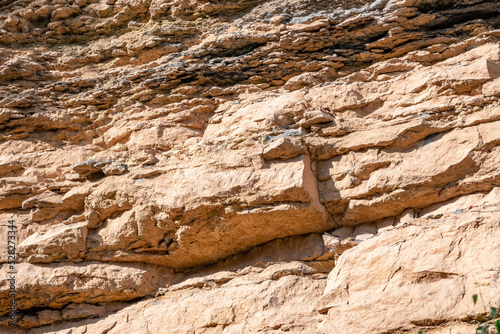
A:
x: 250, y: 166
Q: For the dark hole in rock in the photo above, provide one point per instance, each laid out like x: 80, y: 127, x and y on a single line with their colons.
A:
x: 96, y: 176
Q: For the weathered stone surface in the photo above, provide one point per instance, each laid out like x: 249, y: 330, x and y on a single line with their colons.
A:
x: 60, y: 242
x: 420, y: 274
x: 215, y: 309
x: 90, y: 282
x: 250, y: 167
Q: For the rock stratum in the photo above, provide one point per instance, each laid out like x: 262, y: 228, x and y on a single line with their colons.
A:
x: 299, y: 166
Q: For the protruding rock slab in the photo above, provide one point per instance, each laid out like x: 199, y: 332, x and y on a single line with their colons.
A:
x: 207, y: 215
x: 58, y: 284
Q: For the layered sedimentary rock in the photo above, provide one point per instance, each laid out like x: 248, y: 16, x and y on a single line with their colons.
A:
x: 250, y: 167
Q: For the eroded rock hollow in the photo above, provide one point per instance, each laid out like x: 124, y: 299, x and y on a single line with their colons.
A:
x: 270, y: 166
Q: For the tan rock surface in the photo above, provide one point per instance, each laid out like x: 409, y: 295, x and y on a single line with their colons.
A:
x: 421, y: 273
x: 250, y: 167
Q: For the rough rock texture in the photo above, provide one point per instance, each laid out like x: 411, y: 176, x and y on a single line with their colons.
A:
x: 245, y: 166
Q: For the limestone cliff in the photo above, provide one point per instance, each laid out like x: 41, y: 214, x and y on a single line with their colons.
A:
x: 270, y: 166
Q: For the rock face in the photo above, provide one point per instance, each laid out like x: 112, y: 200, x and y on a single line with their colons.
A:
x: 250, y: 166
